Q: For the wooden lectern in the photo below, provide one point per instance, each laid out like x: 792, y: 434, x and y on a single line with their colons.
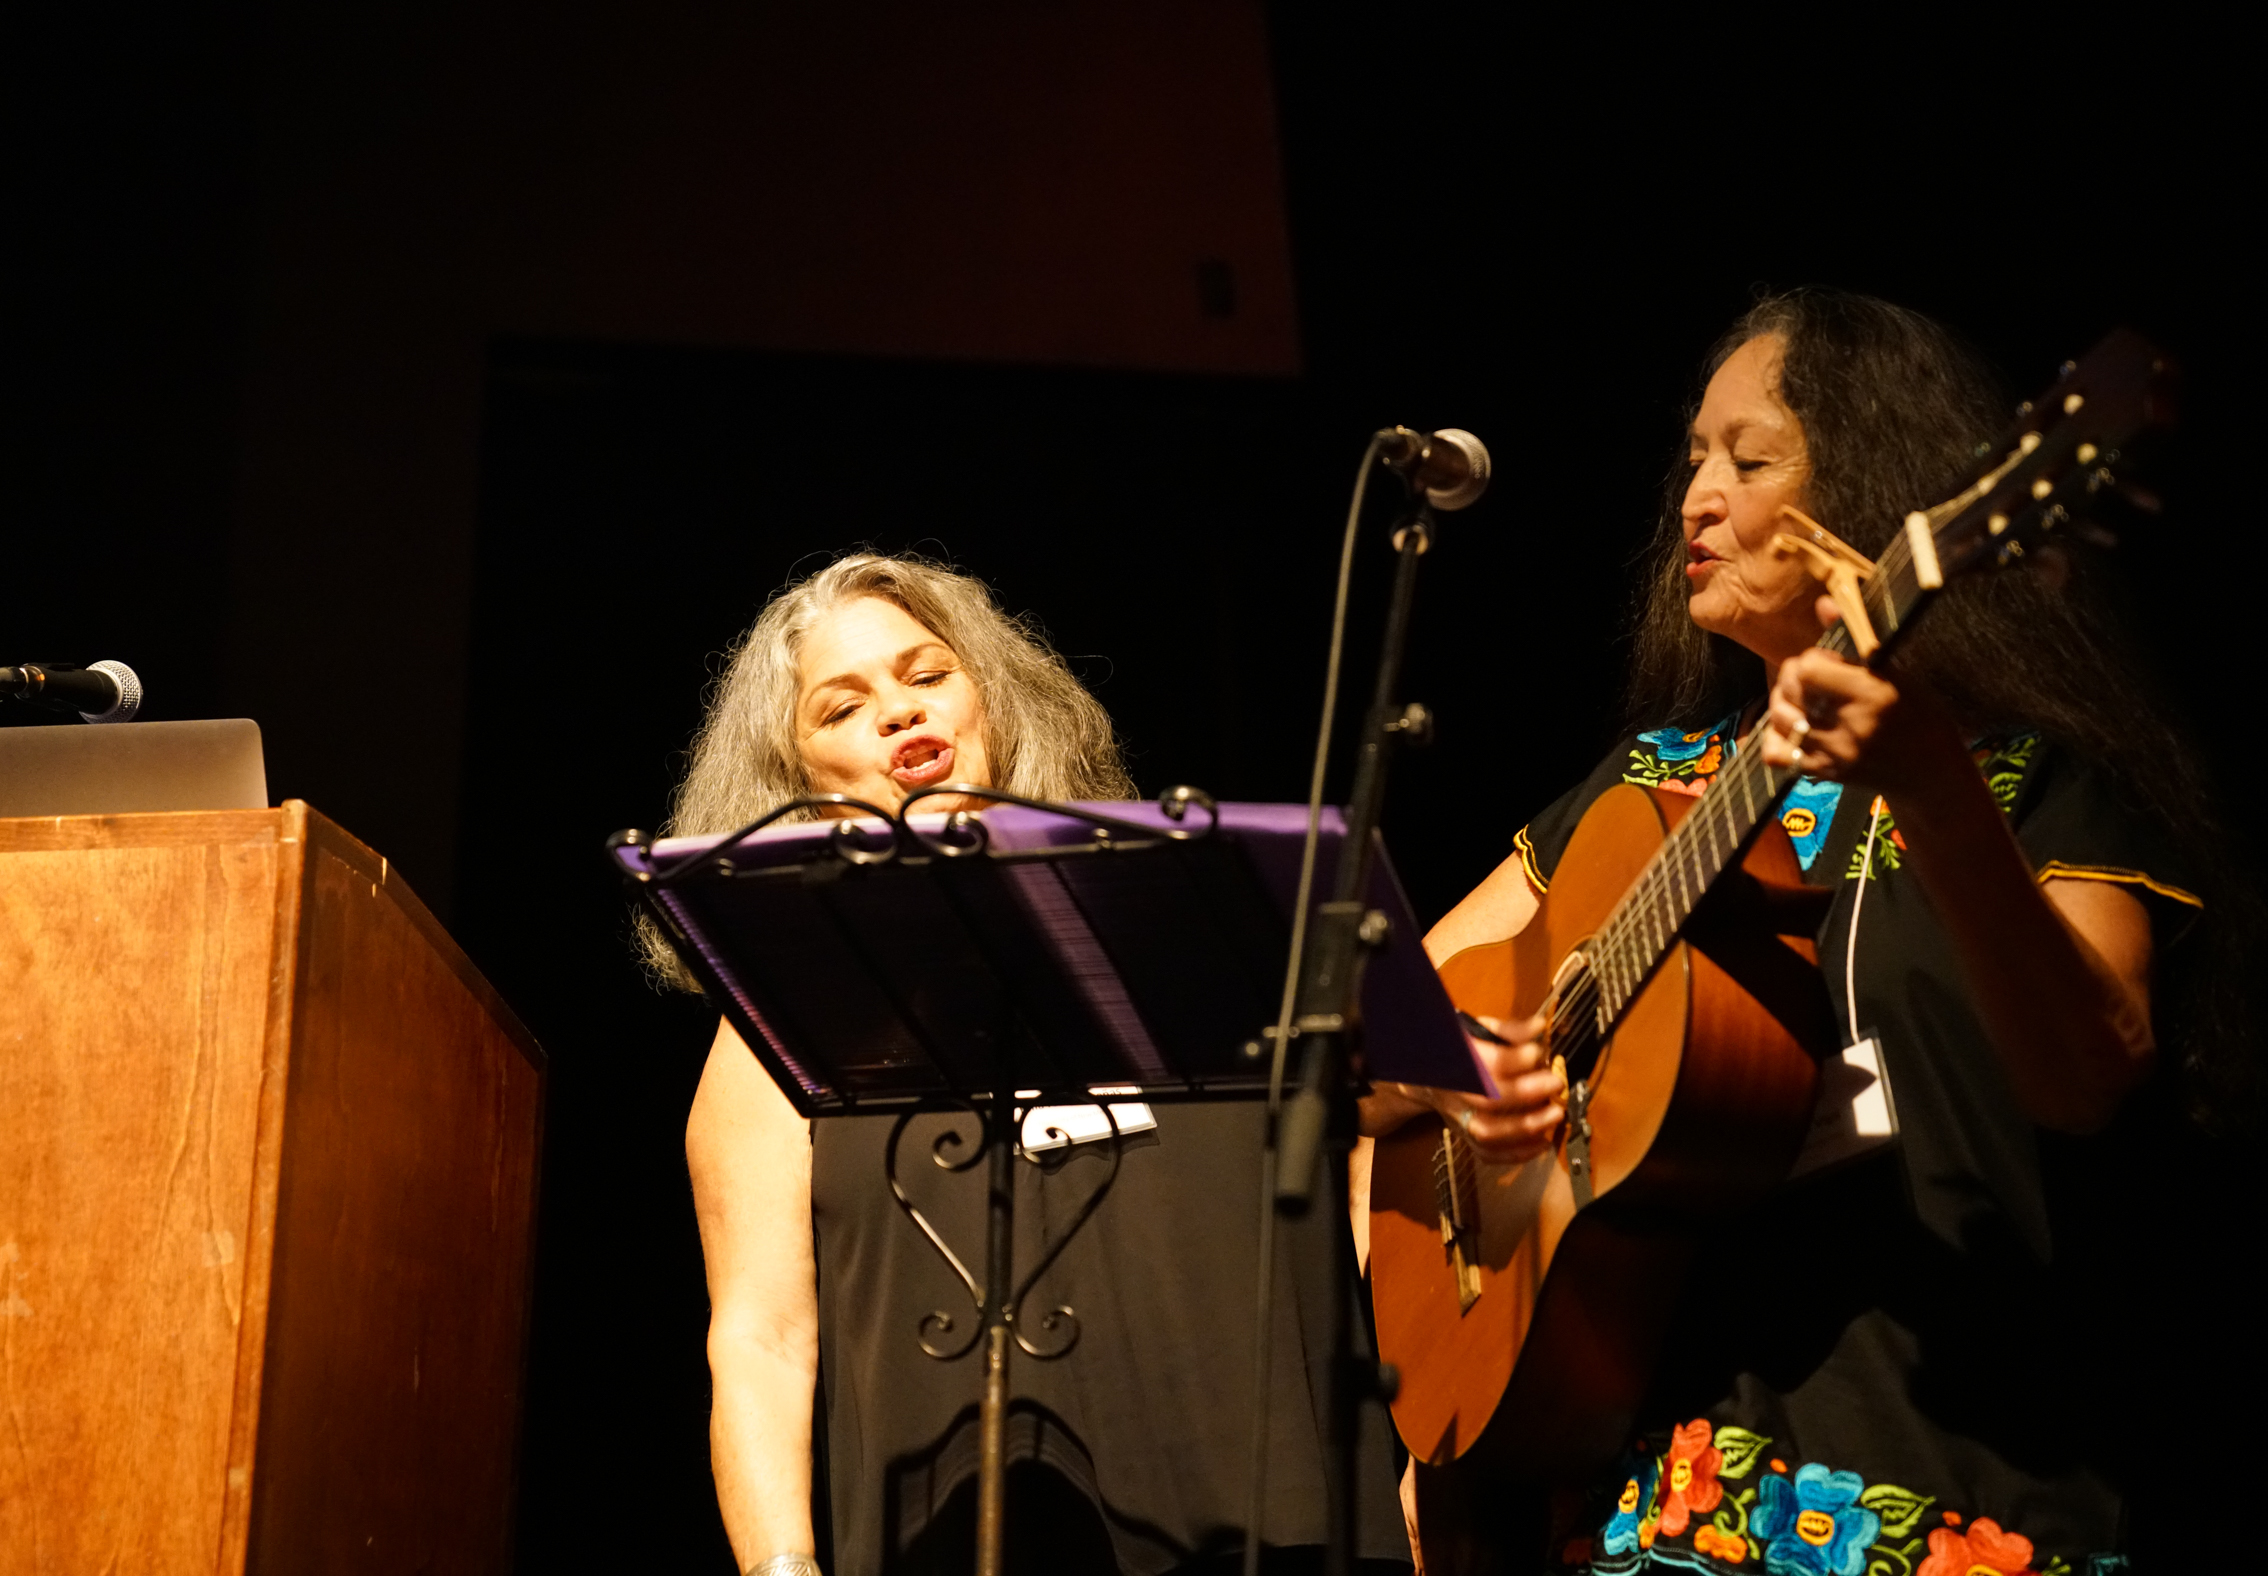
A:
x: 267, y: 1188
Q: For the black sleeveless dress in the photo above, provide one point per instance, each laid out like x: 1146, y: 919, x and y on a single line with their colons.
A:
x: 1128, y: 1454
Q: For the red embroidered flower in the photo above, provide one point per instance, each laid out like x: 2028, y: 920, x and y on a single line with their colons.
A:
x: 1724, y: 1545
x: 1689, y: 1485
x: 1984, y: 1548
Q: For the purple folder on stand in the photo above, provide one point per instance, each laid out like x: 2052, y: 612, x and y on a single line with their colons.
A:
x: 1096, y: 947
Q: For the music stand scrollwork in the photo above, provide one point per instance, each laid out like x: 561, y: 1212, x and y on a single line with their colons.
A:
x: 1007, y: 1312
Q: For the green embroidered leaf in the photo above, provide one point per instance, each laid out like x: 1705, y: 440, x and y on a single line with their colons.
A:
x: 1740, y: 1502
x: 1740, y: 1448
x: 2006, y: 767
x: 1886, y: 856
x: 1879, y: 1559
x: 1898, y: 1507
x: 2056, y: 1567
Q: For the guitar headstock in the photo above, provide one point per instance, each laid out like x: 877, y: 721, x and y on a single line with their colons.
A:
x: 2067, y: 454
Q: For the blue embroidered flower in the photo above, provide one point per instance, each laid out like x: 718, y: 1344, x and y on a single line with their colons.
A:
x: 1813, y: 1526
x: 1672, y: 745
x: 1807, y: 813
x: 1620, y: 1534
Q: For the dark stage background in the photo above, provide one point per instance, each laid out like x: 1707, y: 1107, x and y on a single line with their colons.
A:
x: 446, y: 390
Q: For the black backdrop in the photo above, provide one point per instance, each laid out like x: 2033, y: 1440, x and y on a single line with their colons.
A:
x: 1531, y: 236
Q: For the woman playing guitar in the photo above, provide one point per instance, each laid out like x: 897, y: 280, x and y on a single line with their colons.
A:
x: 1882, y: 1364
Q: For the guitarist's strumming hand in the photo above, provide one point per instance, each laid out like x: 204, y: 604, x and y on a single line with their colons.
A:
x: 1511, y: 1129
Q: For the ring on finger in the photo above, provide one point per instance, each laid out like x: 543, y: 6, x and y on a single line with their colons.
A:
x: 1465, y: 1120
x: 1797, y: 734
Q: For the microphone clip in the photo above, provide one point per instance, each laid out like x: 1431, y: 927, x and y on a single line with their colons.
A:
x: 104, y: 692
x: 1449, y: 468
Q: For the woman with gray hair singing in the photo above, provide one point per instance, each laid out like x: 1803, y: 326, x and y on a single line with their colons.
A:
x: 874, y: 678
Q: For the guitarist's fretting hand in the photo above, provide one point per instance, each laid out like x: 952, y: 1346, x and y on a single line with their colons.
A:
x: 1511, y: 1129
x: 1834, y: 718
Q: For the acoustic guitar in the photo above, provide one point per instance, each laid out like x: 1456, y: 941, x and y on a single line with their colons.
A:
x: 1673, y: 962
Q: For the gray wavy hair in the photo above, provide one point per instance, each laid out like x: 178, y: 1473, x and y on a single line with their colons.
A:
x: 1046, y: 737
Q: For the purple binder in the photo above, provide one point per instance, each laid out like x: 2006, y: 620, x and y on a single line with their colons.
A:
x: 1105, y: 946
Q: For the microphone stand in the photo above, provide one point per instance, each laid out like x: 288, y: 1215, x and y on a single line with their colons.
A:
x: 1320, y: 1120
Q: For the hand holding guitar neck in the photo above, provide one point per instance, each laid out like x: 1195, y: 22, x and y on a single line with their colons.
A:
x: 1831, y: 718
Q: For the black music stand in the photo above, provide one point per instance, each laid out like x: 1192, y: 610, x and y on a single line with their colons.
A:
x: 1038, y: 953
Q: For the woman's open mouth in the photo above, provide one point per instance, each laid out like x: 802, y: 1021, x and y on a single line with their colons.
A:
x: 919, y: 762
x: 1700, y: 560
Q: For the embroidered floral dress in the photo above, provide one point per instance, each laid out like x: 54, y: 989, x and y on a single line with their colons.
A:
x: 1883, y: 1370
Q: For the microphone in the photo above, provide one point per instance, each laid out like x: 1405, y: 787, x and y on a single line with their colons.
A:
x: 1449, y: 466
x: 105, y: 692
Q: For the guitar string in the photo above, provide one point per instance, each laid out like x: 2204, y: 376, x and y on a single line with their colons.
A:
x: 1683, y: 870
x: 1661, y: 877
x: 1674, y: 883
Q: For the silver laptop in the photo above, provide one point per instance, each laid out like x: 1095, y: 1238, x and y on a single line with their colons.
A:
x: 73, y: 768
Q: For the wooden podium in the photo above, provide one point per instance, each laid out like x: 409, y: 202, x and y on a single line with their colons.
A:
x: 268, y: 1153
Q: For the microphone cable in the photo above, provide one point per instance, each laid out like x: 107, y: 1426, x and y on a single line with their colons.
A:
x: 1265, y: 1308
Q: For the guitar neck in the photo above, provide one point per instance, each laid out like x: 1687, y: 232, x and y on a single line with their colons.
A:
x: 1740, y: 799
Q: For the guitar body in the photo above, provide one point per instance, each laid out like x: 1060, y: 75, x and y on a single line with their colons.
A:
x: 1699, y: 1102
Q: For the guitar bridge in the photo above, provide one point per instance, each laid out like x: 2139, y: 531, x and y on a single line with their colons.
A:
x: 1456, y: 1193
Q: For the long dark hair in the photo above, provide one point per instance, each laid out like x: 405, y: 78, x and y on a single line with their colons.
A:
x: 1897, y: 411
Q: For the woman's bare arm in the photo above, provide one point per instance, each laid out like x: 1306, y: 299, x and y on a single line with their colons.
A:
x: 2060, y: 972
x: 750, y: 1156
x: 1518, y: 1124
x: 1500, y: 906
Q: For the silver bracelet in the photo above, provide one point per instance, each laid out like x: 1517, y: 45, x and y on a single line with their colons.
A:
x: 786, y: 1565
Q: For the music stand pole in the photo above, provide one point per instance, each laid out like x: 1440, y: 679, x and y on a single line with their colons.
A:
x: 1000, y: 1242
x: 1321, y: 1119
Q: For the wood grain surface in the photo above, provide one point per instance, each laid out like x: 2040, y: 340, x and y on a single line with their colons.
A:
x: 267, y: 1178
